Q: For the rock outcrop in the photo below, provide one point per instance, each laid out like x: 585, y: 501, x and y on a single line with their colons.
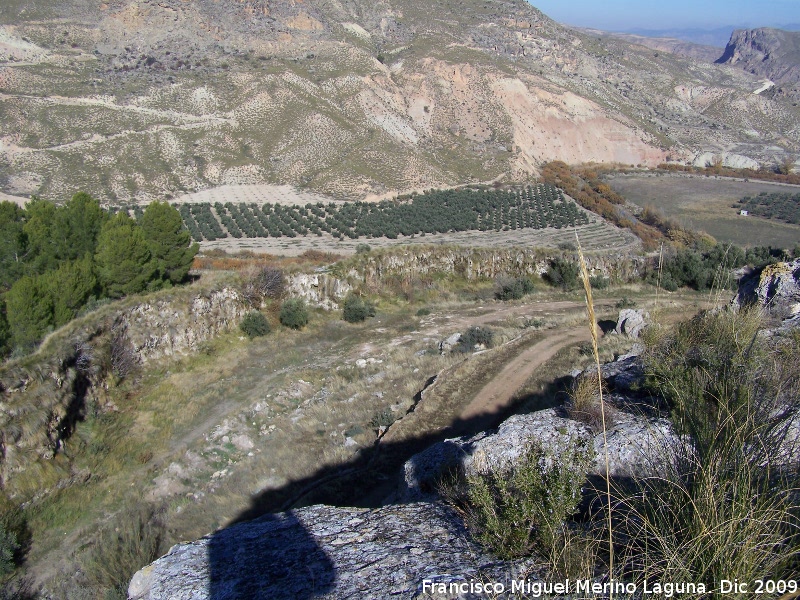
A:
x: 413, y: 264
x: 318, y: 289
x: 638, y: 446
x: 631, y: 322
x: 767, y: 52
x: 166, y: 327
x: 776, y: 287
x: 51, y: 392
x: 323, y: 552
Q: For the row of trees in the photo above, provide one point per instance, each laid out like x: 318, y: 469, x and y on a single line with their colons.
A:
x: 54, y: 260
x: 785, y: 207
x: 585, y: 186
x: 436, y: 211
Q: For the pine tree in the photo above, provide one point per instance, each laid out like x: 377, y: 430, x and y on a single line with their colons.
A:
x: 124, y: 262
x: 5, y: 332
x: 30, y: 311
x: 39, y: 233
x: 12, y: 243
x: 70, y: 286
x: 168, y: 241
x: 76, y: 227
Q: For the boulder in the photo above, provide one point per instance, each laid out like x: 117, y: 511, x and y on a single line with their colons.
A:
x: 621, y: 375
x: 324, y: 552
x: 631, y: 322
x: 447, y: 345
x: 637, y: 446
x: 776, y: 288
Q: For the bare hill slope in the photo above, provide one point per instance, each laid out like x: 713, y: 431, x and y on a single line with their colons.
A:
x: 136, y: 99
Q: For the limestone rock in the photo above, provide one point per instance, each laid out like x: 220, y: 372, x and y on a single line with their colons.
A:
x: 776, y: 288
x: 322, y: 552
x: 637, y: 446
x: 631, y: 322
x: 318, y: 289
x: 447, y: 345
x: 623, y: 374
x: 165, y: 327
x: 765, y: 52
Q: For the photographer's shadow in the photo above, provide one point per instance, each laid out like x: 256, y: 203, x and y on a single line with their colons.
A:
x: 273, y: 556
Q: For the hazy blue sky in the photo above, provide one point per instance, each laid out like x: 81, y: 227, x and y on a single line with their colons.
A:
x: 620, y: 15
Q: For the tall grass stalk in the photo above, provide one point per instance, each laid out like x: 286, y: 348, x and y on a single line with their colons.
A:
x: 587, y: 288
x: 660, y: 268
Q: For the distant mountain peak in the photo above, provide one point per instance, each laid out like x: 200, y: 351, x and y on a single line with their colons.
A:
x: 766, y: 52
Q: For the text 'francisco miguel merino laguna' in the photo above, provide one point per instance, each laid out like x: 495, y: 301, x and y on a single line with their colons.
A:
x: 538, y: 589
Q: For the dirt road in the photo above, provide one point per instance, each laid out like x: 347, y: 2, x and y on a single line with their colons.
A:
x: 495, y: 396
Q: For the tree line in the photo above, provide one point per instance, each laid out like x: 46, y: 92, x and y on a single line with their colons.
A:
x: 435, y: 211
x: 56, y: 260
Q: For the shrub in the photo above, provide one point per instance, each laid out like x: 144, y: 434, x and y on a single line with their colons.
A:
x: 725, y: 507
x: 513, y: 289
x: 8, y: 547
x: 535, y: 323
x: 474, y: 336
x: 123, y: 548
x: 362, y: 248
x: 122, y: 359
x: 383, y: 418
x: 294, y: 313
x: 523, y: 509
x: 254, y: 324
x: 598, y: 282
x: 356, y: 310
x: 625, y: 302
x: 584, y: 402
x: 266, y: 282
x: 563, y: 273
x: 423, y: 312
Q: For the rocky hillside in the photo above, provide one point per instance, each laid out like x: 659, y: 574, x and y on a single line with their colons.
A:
x: 766, y: 52
x: 141, y: 99
x: 405, y: 549
x: 698, y: 52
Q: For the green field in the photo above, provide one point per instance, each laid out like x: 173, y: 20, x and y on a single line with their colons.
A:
x: 707, y: 204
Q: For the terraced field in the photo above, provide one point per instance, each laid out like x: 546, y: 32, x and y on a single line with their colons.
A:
x: 540, y: 215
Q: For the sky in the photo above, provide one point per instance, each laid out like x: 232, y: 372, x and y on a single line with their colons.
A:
x: 625, y: 15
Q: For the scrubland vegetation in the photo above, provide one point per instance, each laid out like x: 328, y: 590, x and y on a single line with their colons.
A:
x: 709, y: 371
x: 727, y: 506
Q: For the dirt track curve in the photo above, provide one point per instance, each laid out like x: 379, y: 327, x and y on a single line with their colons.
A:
x: 495, y: 396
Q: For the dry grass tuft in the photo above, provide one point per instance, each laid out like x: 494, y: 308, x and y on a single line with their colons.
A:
x: 584, y: 403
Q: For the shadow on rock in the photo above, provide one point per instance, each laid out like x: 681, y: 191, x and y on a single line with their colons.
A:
x: 272, y: 557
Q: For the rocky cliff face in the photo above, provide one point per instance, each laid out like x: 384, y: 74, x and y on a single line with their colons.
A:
x: 165, y: 328
x: 766, y: 52
x: 318, y: 289
x: 43, y: 396
x: 776, y: 288
x: 488, y: 263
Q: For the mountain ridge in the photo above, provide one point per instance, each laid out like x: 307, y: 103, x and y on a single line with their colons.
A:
x: 766, y: 52
x: 143, y: 100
